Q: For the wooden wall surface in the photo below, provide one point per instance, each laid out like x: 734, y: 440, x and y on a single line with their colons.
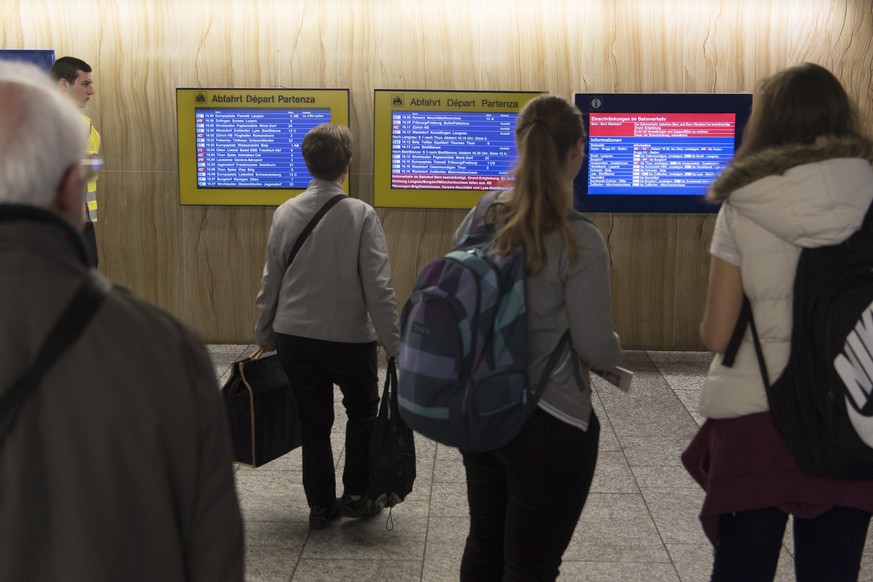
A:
x: 204, y: 263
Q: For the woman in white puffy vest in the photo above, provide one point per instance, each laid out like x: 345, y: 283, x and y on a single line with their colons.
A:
x: 801, y: 178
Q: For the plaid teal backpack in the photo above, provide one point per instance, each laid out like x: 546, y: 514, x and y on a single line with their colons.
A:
x: 463, y: 345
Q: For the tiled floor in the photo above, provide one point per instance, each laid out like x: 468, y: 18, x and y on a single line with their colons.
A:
x: 639, y: 524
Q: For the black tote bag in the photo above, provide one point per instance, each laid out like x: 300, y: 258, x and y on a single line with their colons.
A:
x: 261, y: 409
x: 392, y: 449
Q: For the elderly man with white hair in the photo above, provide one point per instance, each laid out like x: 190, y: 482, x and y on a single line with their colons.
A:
x: 123, y: 473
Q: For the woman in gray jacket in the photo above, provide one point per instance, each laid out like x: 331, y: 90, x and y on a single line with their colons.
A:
x: 526, y: 497
x: 324, y: 315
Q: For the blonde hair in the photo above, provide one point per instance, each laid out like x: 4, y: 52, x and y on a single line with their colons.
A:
x: 547, y: 129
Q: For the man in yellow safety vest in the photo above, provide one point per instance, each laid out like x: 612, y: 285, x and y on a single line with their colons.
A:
x: 73, y: 77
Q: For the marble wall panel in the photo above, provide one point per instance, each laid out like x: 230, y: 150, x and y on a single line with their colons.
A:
x: 643, y: 251
x: 224, y: 249
x: 204, y: 264
x: 140, y: 235
x: 694, y: 234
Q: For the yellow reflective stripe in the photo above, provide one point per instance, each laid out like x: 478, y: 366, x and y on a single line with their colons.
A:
x: 93, y: 136
x: 91, y: 208
x: 93, y: 148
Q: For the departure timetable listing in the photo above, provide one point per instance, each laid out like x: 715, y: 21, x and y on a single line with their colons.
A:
x: 253, y: 148
x: 658, y: 153
x: 441, y: 150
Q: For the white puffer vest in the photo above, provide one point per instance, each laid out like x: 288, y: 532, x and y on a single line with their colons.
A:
x: 768, y: 268
x: 782, y: 200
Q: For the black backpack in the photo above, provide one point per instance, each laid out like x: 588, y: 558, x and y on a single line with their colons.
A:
x: 821, y: 404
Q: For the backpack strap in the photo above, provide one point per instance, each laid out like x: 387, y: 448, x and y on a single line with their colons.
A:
x: 479, y: 230
x: 746, y: 319
x: 762, y: 365
x: 310, y: 226
x: 864, y: 235
x: 733, y: 347
x: 482, y: 207
x: 67, y: 329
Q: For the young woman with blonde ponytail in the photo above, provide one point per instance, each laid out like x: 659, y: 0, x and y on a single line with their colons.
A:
x: 526, y: 497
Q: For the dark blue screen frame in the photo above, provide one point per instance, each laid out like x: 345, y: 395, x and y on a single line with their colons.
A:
x: 43, y: 58
x: 618, y: 199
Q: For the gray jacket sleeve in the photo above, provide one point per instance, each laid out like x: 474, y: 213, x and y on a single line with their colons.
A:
x: 589, y: 304
x: 267, y: 300
x: 375, y: 272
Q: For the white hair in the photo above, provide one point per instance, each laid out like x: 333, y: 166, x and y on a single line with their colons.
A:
x: 42, y: 135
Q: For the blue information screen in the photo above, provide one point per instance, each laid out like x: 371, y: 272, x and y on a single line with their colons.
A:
x: 43, y: 58
x: 254, y: 148
x: 658, y: 153
x: 439, y: 150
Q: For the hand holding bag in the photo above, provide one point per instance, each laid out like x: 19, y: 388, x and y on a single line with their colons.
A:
x: 261, y: 409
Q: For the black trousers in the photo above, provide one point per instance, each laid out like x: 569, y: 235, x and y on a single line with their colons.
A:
x: 313, y: 367
x: 525, y: 500
x: 90, y: 241
x: 826, y: 549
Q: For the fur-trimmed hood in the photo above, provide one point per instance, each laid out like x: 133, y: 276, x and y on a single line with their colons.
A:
x: 808, y: 195
x: 778, y: 160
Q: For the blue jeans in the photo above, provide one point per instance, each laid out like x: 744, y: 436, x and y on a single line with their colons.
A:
x: 526, y: 498
x: 826, y: 549
x: 313, y: 367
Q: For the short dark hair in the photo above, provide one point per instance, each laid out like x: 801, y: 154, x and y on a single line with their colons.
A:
x: 68, y: 68
x: 327, y: 150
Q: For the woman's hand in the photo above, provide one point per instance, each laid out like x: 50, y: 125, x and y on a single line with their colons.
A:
x: 261, y: 351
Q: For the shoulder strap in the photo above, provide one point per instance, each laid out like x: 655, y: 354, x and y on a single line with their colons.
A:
x: 730, y: 354
x: 762, y: 365
x: 65, y: 332
x: 485, y: 202
x: 864, y: 234
x: 479, y: 231
x: 307, y: 230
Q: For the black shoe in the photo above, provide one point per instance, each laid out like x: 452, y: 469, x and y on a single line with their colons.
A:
x: 320, y: 515
x: 363, y: 507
